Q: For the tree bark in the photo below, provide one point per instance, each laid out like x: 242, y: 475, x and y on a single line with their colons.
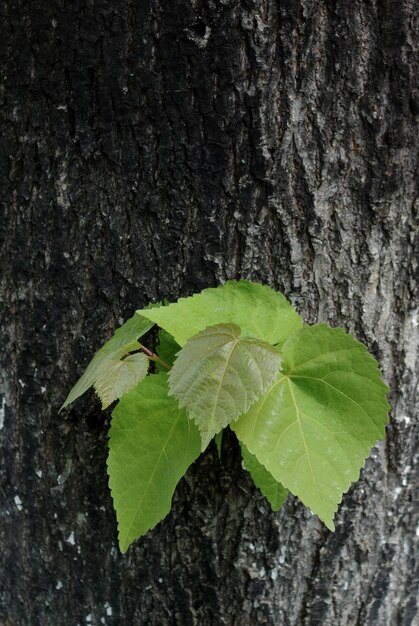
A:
x: 151, y: 149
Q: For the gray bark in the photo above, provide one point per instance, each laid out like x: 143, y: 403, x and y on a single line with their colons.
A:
x: 151, y: 149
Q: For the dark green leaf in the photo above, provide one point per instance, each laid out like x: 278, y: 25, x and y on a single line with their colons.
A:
x: 166, y: 349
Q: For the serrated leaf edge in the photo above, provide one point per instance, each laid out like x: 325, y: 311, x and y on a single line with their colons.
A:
x: 381, y: 435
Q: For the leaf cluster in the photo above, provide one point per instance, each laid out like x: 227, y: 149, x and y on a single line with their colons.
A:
x: 307, y: 403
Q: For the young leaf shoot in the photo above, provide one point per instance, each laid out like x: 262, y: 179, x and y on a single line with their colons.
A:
x: 307, y: 403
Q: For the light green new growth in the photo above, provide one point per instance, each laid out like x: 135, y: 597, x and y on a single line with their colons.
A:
x: 120, y: 376
x: 121, y: 343
x: 306, y: 428
x: 274, y: 492
x: 257, y: 309
x: 152, y: 443
x: 317, y: 423
x: 218, y: 375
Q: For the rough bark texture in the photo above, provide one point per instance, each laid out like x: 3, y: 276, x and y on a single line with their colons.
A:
x: 151, y: 149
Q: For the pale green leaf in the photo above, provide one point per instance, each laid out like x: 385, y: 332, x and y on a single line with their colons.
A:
x: 122, y: 342
x: 167, y: 349
x: 274, y: 492
x: 319, y: 420
x: 120, y: 376
x: 152, y: 443
x: 218, y: 375
x: 257, y: 309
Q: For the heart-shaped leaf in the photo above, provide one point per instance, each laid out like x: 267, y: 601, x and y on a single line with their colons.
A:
x: 120, y: 376
x: 218, y: 375
x: 317, y: 423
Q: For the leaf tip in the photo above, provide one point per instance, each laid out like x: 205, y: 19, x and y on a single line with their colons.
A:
x: 204, y: 443
x: 123, y: 545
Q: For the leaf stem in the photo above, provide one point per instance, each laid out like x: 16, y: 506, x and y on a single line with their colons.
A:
x: 153, y: 357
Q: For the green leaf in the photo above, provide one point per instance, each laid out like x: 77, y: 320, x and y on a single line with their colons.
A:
x: 317, y: 423
x: 167, y: 349
x: 257, y: 309
x: 152, y: 444
x: 121, y: 376
x: 218, y: 375
x: 273, y: 491
x: 122, y: 342
x: 219, y: 443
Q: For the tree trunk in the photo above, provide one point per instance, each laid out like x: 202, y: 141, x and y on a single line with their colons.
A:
x: 151, y: 149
